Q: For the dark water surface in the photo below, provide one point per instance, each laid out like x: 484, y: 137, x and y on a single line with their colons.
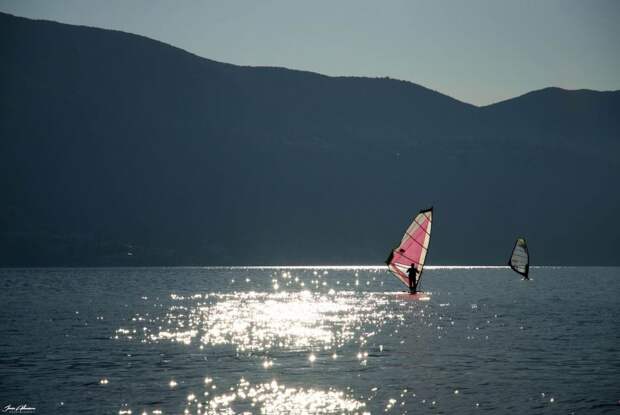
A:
x: 311, y: 340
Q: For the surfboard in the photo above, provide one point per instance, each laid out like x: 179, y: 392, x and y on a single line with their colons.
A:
x: 419, y: 296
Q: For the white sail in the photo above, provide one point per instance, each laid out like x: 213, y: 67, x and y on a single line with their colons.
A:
x: 520, y: 258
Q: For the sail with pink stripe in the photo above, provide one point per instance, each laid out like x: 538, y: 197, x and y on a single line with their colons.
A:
x: 412, y: 249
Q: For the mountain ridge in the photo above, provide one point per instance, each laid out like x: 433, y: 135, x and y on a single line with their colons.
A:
x: 549, y: 89
x: 180, y: 49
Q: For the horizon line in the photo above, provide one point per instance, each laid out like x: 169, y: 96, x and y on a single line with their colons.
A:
x: 322, y: 267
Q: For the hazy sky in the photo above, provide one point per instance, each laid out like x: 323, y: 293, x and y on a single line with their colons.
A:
x: 474, y: 50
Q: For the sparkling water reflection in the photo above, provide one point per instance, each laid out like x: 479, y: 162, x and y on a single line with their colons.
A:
x: 273, y: 398
x: 256, y: 321
x: 309, y: 340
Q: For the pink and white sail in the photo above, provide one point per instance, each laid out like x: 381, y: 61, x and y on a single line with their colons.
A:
x: 413, y: 248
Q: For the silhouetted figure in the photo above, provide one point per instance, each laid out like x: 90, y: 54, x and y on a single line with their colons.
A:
x: 413, y: 285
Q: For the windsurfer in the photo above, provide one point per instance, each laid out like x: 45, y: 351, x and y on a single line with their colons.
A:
x: 413, y: 285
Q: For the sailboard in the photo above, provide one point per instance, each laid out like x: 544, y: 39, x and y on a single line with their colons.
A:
x: 520, y: 258
x: 412, y: 250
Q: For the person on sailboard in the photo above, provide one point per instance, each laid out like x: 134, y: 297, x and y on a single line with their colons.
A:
x: 413, y: 285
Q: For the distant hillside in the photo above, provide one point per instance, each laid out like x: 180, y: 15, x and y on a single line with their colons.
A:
x: 119, y: 150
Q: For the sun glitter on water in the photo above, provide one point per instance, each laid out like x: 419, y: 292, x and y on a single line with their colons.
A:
x: 253, y: 321
x: 275, y: 398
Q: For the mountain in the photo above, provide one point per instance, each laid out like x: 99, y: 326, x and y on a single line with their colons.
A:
x: 116, y: 149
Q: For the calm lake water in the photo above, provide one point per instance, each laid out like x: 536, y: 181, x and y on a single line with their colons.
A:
x: 309, y: 340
